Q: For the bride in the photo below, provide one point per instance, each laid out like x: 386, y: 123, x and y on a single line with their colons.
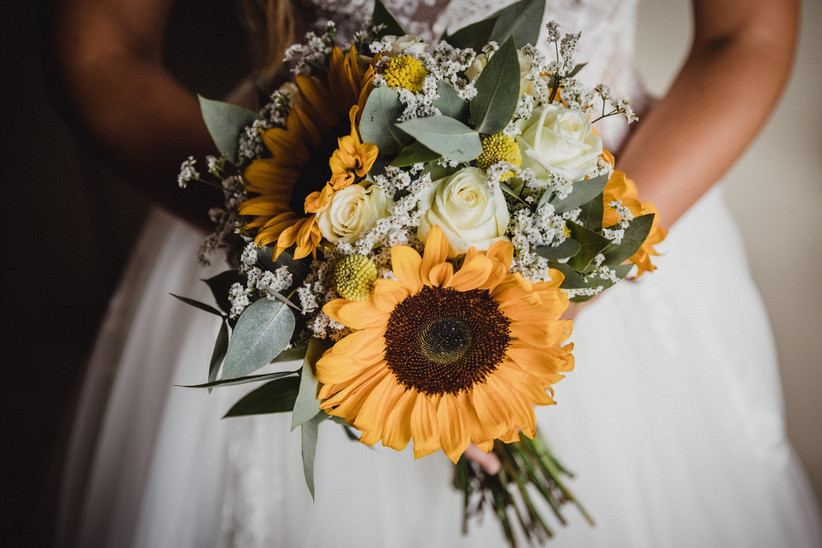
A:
x: 672, y: 419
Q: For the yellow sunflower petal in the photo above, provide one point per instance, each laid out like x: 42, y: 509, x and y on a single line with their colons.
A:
x: 473, y: 273
x: 453, y: 434
x: 405, y: 263
x: 387, y: 294
x: 361, y: 315
x: 436, y: 251
x: 397, y: 430
x: 424, y: 426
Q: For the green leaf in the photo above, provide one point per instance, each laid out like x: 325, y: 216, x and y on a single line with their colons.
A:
x: 308, y: 438
x: 474, y: 36
x: 621, y: 271
x: 242, y: 380
x: 225, y: 123
x: 506, y: 188
x: 290, y: 355
x: 307, y: 405
x: 263, y: 330
x: 414, y: 153
x: 381, y: 16
x: 197, y: 304
x: 276, y: 396
x: 591, y: 244
x: 632, y: 240
x: 568, y: 248
x: 575, y: 70
x: 444, y: 135
x: 497, y: 91
x: 217, y: 355
x: 573, y: 279
x: 220, y: 284
x: 583, y: 192
x: 522, y: 20
x: 591, y: 214
x: 377, y: 125
x: 450, y: 103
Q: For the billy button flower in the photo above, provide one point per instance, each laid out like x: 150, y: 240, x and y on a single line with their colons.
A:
x: 354, y: 276
x: 499, y: 148
x: 406, y: 72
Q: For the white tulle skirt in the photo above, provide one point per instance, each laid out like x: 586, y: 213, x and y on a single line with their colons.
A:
x: 673, y: 422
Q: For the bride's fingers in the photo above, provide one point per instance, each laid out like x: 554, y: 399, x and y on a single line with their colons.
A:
x: 488, y: 461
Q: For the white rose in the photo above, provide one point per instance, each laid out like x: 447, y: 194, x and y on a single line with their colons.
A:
x: 465, y: 209
x: 351, y: 212
x: 407, y: 44
x: 525, y: 61
x: 561, y: 140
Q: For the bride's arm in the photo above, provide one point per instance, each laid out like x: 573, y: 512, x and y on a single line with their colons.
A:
x: 739, y: 62
x: 108, y: 58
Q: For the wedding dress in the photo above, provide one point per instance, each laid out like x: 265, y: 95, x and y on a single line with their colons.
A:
x: 672, y: 420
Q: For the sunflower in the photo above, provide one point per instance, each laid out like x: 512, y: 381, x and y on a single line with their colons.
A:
x: 300, y: 152
x: 623, y: 189
x: 447, y: 357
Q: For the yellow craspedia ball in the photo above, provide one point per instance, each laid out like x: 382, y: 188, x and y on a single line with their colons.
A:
x: 354, y: 276
x: 499, y: 148
x: 566, y: 231
x: 405, y: 72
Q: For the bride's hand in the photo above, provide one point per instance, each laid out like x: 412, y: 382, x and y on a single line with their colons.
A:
x: 489, y: 462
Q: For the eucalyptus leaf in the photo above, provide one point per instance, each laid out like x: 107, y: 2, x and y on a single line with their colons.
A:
x: 242, y: 380
x: 263, y: 330
x: 632, y: 240
x: 444, y: 135
x: 522, y: 20
x: 583, y: 192
x: 225, y: 123
x: 568, y: 248
x: 591, y: 244
x: 573, y: 279
x: 308, y: 439
x: 450, y: 103
x: 220, y: 285
x: 217, y: 355
x: 497, y: 91
x: 474, y: 36
x: 381, y: 16
x: 197, y: 304
x: 591, y: 214
x: 307, y: 405
x: 377, y: 125
x: 276, y: 396
x: 414, y: 153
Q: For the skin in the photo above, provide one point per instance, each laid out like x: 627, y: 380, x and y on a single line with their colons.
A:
x: 148, y: 123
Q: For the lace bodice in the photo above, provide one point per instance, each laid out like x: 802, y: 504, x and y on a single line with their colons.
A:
x: 607, y: 43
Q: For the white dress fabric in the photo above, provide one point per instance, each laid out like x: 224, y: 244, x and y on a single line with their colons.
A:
x: 672, y: 420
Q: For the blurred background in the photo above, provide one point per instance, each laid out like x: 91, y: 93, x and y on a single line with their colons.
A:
x: 69, y: 224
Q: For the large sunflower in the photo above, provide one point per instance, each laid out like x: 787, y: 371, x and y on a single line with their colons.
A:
x: 623, y: 189
x: 300, y: 152
x: 447, y: 358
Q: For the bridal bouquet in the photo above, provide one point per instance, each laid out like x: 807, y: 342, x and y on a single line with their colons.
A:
x: 411, y: 220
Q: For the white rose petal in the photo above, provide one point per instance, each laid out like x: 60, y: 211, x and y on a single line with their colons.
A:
x: 466, y: 210
x: 351, y: 212
x: 560, y: 140
x: 407, y: 44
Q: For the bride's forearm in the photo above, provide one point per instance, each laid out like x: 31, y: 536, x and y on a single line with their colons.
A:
x: 112, y: 77
x: 738, y: 65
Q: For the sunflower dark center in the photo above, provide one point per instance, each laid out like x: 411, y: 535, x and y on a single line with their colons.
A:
x: 445, y: 341
x: 316, y: 172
